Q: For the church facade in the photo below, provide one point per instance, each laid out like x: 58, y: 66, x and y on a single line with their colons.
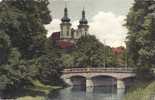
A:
x: 67, y: 36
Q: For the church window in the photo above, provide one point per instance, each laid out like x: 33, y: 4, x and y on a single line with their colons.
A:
x: 67, y: 33
x: 77, y: 34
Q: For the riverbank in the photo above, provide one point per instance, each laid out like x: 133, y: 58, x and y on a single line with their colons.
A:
x: 46, y: 89
x: 142, y: 91
x: 39, y: 88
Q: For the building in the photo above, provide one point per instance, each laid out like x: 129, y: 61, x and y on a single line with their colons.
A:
x: 119, y: 53
x: 67, y: 37
x: 118, y: 50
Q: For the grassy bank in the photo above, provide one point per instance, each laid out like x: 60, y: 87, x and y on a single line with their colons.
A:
x: 142, y: 92
x: 39, y: 87
x: 31, y: 98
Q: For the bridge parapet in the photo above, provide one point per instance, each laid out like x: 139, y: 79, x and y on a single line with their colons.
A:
x: 118, y: 74
x: 98, y: 70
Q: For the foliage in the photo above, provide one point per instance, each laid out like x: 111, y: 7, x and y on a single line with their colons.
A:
x: 142, y: 93
x: 68, y: 60
x: 50, y: 64
x: 141, y: 37
x: 9, y: 59
x: 46, y: 89
x: 22, y: 43
x: 13, y: 69
x: 89, y: 52
x: 23, y: 22
x: 31, y: 98
x: 50, y: 70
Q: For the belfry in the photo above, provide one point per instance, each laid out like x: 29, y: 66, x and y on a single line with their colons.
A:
x: 65, y: 26
x: 83, y: 26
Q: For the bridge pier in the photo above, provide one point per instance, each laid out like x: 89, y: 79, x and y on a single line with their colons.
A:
x: 89, y: 82
x: 68, y: 81
x: 89, y: 89
x: 120, y: 84
x: 120, y: 92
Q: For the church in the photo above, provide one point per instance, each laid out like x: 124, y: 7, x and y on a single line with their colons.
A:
x: 68, y: 36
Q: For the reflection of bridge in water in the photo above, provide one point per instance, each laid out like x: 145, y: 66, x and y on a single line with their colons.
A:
x: 90, y: 77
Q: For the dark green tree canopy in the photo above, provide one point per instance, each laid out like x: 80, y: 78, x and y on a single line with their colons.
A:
x: 22, y: 41
x: 141, y: 36
x: 23, y: 21
x: 140, y: 22
x: 91, y: 51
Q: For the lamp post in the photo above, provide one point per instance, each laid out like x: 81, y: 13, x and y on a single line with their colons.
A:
x: 104, y: 53
x: 126, y: 54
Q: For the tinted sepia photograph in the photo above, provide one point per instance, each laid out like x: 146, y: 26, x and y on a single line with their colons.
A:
x: 77, y: 49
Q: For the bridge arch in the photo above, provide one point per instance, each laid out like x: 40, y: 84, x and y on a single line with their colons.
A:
x: 129, y: 77
x: 129, y: 81
x: 78, y: 80
x: 104, y: 80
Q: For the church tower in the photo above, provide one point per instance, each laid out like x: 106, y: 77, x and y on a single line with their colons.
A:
x: 83, y: 25
x: 67, y: 37
x: 65, y: 26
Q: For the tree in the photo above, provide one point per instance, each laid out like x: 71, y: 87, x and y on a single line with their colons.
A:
x: 4, y: 51
x: 50, y: 70
x: 141, y: 37
x: 4, y: 47
x: 111, y: 58
x: 14, y: 71
x: 51, y: 64
x: 22, y: 40
x: 23, y: 21
x: 89, y: 52
x: 68, y: 60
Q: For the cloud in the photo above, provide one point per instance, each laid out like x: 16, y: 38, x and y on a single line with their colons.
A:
x: 54, y: 26
x: 109, y: 27
x: 104, y: 25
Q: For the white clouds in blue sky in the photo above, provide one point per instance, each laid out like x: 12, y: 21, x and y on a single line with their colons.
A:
x: 104, y: 25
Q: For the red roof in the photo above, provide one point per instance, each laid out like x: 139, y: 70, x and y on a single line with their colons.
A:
x: 118, y: 50
x: 65, y: 44
x: 56, y: 35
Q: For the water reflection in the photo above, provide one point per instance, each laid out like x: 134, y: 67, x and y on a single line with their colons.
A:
x: 82, y: 93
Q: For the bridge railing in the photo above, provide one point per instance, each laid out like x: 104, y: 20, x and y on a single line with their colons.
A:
x: 98, y: 70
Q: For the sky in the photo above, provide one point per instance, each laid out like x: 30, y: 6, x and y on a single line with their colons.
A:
x: 106, y: 18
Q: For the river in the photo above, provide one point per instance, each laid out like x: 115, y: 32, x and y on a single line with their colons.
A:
x: 81, y: 93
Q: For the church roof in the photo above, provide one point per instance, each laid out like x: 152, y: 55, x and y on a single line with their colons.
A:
x: 65, y: 44
x: 56, y: 35
x: 65, y: 18
x: 83, y: 19
x: 61, y: 43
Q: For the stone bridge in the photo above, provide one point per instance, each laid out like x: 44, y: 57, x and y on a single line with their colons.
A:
x: 91, y: 77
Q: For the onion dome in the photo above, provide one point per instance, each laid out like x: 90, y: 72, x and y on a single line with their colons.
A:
x: 65, y: 18
x: 83, y: 19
